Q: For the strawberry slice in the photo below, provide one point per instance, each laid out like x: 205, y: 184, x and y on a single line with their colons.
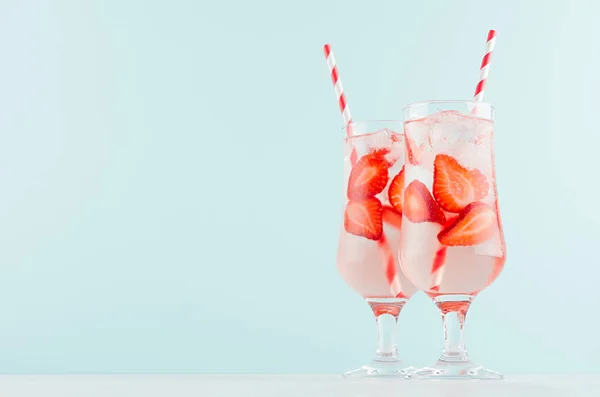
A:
x: 419, y: 205
x: 396, y: 191
x: 474, y: 225
x: 364, y: 218
x: 380, y: 152
x: 368, y: 177
x: 454, y: 186
x: 392, y: 217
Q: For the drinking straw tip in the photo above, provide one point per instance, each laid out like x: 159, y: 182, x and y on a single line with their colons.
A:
x: 485, y: 66
x: 327, y: 49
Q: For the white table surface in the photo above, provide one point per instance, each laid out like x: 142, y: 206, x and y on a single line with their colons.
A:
x: 289, y: 386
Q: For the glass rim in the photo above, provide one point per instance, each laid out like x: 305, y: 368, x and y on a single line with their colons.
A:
x: 434, y: 101
x: 366, y: 122
x: 373, y: 121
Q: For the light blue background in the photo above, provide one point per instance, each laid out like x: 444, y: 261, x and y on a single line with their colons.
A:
x: 171, y: 175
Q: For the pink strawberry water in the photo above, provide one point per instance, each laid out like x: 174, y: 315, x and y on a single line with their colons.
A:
x: 451, y: 240
x: 370, y: 233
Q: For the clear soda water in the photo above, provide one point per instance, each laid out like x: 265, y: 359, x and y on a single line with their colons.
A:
x: 368, y: 262
x: 459, y: 247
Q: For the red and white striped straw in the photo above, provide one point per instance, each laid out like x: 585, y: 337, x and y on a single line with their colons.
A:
x: 339, y: 88
x: 484, y: 70
x: 339, y: 92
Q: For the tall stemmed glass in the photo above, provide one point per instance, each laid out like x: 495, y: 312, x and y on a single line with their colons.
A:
x: 370, y: 234
x: 451, y: 243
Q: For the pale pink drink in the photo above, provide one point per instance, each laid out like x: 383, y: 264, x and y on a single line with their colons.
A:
x: 452, y: 245
x: 370, y: 233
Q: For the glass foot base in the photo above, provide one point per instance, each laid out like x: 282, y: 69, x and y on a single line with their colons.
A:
x: 464, y: 370
x: 382, y: 369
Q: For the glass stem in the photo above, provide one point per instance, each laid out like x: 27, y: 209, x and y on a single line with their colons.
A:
x: 454, y: 312
x: 386, y: 313
x: 386, y: 344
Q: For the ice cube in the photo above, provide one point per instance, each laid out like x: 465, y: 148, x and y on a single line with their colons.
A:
x: 362, y: 144
x: 450, y: 128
